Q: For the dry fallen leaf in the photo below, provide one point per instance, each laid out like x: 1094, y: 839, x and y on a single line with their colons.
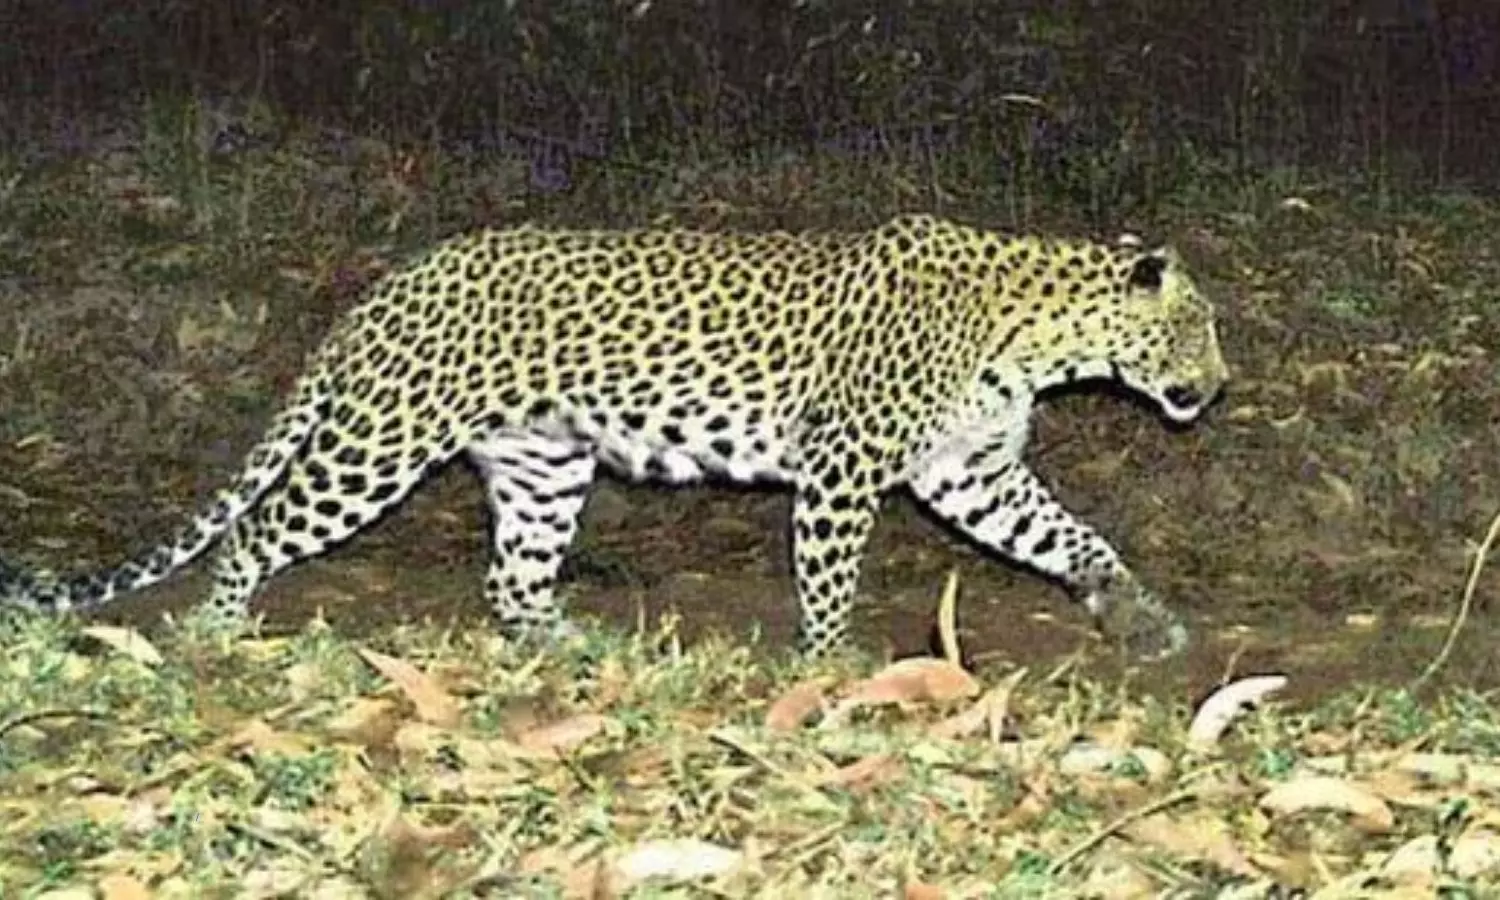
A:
x: 679, y: 860
x: 303, y: 680
x: 989, y: 712
x: 1450, y: 769
x: 792, y: 709
x: 406, y: 858
x: 564, y: 735
x: 77, y: 892
x: 418, y: 740
x: 591, y: 880
x: 1120, y: 731
x: 1224, y: 705
x: 369, y: 721
x: 274, y: 880
x: 1415, y: 862
x: 339, y: 887
x: 865, y: 773
x: 432, y: 703
x: 549, y: 859
x: 127, y: 641
x: 1196, y: 836
x: 1036, y: 803
x: 1476, y: 854
x: 257, y: 736
x: 916, y: 680
x: 1366, y: 810
x: 921, y: 890
x: 1091, y: 759
x: 1117, y: 879
x: 122, y: 887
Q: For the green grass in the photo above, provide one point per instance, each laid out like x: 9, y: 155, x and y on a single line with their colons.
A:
x: 211, y: 764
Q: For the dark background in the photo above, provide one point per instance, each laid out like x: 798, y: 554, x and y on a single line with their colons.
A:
x: 1121, y: 96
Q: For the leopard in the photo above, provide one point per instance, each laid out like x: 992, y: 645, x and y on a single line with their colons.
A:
x: 840, y: 365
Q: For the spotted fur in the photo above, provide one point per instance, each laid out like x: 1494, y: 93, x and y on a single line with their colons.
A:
x: 841, y: 364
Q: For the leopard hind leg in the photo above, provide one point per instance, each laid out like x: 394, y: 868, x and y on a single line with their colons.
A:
x: 536, y: 486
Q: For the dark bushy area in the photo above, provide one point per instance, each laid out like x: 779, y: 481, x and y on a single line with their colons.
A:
x: 1109, y: 102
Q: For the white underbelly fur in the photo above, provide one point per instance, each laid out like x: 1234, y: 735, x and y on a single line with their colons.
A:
x: 630, y: 455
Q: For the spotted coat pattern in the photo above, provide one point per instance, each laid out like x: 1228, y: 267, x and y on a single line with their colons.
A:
x: 841, y: 364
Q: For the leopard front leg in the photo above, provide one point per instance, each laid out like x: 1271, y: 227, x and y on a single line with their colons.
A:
x: 993, y: 498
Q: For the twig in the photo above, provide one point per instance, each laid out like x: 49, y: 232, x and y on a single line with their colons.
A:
x: 273, y: 840
x: 948, y: 620
x: 1182, y: 795
x: 1464, y: 605
x: 17, y: 721
x: 807, y: 846
x: 725, y: 739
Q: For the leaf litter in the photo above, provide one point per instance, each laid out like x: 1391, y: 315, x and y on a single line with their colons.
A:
x: 452, y: 764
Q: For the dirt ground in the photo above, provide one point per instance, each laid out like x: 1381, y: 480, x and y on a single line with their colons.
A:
x: 1320, y: 521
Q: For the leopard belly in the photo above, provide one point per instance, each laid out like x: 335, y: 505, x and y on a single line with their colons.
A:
x: 648, y: 454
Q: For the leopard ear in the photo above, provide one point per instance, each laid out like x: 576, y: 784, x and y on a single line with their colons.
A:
x: 1147, y: 271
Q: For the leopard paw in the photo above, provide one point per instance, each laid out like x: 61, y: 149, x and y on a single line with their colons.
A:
x: 1145, y: 628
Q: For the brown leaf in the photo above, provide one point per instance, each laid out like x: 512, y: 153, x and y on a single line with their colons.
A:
x: 921, y: 890
x: 1192, y: 837
x: 1416, y: 862
x: 369, y: 721
x: 1450, y: 769
x: 1036, y: 803
x: 406, y: 858
x: 1476, y: 854
x: 1405, y: 789
x: 564, y: 735
x: 1116, y: 879
x: 864, y: 774
x: 989, y: 712
x: 1366, y: 810
x: 916, y: 680
x: 418, y: 740
x: 276, y: 879
x: 792, y: 709
x: 432, y: 703
x: 259, y: 737
x: 592, y: 880
x: 122, y: 887
x: 462, y: 679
